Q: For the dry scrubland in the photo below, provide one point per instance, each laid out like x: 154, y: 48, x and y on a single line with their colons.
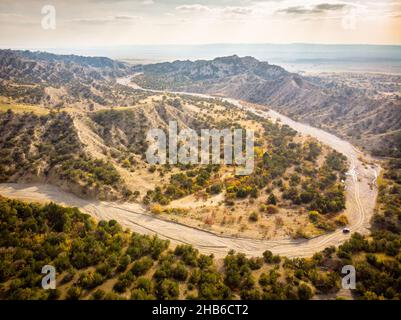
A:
x: 295, y: 190
x: 103, y: 261
x: 65, y: 121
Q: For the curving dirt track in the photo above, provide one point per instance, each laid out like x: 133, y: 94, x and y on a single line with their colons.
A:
x: 361, y: 195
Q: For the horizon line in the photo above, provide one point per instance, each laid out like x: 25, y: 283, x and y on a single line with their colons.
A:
x: 14, y: 47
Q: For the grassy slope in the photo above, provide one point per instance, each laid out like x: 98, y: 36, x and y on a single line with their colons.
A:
x: 21, y: 108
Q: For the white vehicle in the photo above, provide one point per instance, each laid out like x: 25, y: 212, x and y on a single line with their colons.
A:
x: 346, y: 230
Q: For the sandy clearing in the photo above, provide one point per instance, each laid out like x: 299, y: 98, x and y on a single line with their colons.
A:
x: 190, y: 202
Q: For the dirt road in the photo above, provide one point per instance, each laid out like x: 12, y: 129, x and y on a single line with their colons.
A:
x: 360, y: 201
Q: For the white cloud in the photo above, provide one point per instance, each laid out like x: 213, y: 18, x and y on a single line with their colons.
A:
x: 237, y: 10
x: 217, y: 12
x: 193, y: 8
x: 108, y: 19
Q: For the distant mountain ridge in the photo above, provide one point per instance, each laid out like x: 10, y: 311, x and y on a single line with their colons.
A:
x: 217, y: 68
x: 37, y: 67
x: 50, y: 79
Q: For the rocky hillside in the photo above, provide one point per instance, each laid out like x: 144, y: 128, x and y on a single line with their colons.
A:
x: 48, y: 149
x: 65, y: 121
x: 59, y: 80
x: 43, y: 67
x: 369, y: 118
x: 94, y: 154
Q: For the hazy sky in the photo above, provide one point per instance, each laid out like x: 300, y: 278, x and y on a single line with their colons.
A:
x: 85, y: 23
